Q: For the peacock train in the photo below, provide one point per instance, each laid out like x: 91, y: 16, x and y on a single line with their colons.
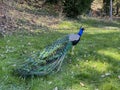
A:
x: 50, y: 59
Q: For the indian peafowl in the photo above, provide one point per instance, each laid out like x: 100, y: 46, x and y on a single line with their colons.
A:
x: 51, y: 58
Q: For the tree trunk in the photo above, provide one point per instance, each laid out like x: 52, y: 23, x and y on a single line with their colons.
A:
x: 110, y: 9
x: 117, y: 9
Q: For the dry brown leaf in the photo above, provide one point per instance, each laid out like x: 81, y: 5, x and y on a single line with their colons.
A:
x: 119, y: 76
x: 82, y: 84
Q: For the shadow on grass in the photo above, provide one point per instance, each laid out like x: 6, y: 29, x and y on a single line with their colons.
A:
x: 89, y: 44
x: 90, y: 47
x: 86, y: 51
x: 24, y: 44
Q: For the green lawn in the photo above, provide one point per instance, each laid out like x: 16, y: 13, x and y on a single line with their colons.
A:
x: 94, y: 65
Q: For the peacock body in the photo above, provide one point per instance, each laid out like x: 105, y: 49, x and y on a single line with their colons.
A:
x: 50, y: 59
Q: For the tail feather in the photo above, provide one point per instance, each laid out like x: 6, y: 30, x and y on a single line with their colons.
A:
x: 48, y: 60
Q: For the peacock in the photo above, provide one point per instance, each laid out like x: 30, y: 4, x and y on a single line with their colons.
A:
x: 50, y: 59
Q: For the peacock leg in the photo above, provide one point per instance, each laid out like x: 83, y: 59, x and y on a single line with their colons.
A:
x: 73, y: 50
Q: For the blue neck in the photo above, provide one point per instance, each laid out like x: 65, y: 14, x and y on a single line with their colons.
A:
x: 80, y: 32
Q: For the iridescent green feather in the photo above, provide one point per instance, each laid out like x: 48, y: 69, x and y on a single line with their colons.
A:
x: 50, y: 59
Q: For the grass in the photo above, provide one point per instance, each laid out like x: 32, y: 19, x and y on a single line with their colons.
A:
x: 94, y: 65
x: 98, y: 53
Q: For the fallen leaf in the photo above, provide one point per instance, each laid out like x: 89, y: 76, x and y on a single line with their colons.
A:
x: 102, y: 76
x: 107, y: 74
x: 119, y: 76
x: 96, y: 89
x: 82, y: 84
x: 29, y: 43
x: 14, y: 65
x: 49, y: 82
x: 56, y: 88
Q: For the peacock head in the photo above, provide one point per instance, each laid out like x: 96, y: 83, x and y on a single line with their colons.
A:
x: 81, y: 31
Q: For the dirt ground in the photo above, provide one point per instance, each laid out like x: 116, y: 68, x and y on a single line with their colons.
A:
x: 6, y: 20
